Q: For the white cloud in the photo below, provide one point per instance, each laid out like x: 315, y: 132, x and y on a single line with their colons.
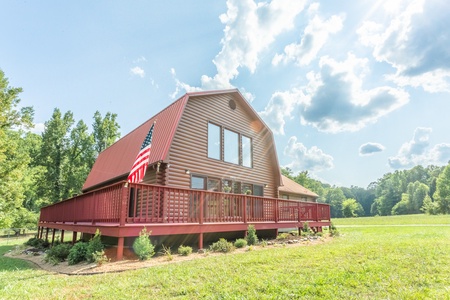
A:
x: 314, y: 37
x: 370, y: 148
x: 280, y: 107
x: 250, y: 27
x: 415, y: 43
x: 179, y: 86
x: 140, y: 59
x: 335, y: 100
x: 313, y: 159
x: 417, y: 151
x: 137, y: 71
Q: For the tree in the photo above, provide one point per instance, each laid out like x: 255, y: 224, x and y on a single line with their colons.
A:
x: 13, y: 160
x: 429, y: 206
x: 442, y: 194
x: 335, y: 197
x: 54, y: 153
x: 105, y: 131
x: 402, y: 207
x: 351, y: 208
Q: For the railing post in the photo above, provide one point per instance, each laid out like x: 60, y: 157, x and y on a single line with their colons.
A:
x: 276, y: 210
x: 299, y: 207
x: 317, y: 212
x: 245, y: 208
x: 202, y: 202
x: 123, y: 206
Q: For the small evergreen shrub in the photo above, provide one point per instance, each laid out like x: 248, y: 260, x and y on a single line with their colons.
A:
x: 222, y: 246
x: 57, y: 253
x: 77, y: 253
x: 37, y: 243
x: 240, y: 243
x: 94, y: 245
x: 142, y: 246
x: 184, y: 250
x: 251, y: 237
x: 306, y: 230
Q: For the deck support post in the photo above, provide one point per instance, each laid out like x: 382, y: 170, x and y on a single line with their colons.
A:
x: 53, y: 236
x: 62, y: 236
x: 74, y: 237
x: 39, y: 232
x: 46, y: 233
x: 200, y: 240
x: 120, y: 243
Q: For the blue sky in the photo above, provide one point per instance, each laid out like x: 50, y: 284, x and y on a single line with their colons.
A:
x: 351, y: 89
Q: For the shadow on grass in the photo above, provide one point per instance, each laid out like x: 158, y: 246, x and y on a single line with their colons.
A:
x: 12, y: 264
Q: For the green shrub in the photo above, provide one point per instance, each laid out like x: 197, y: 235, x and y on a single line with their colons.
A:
x: 333, y: 230
x: 77, y: 253
x: 184, y: 250
x: 306, y: 230
x: 57, y: 253
x: 251, y: 237
x: 167, y: 252
x: 37, y: 243
x: 240, y: 243
x: 94, y: 245
x: 142, y: 246
x: 283, y: 236
x: 222, y: 246
x: 100, y: 257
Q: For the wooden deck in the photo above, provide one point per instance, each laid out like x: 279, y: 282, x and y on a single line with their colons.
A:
x: 122, y: 210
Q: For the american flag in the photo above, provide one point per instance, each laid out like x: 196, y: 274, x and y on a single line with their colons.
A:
x: 140, y: 164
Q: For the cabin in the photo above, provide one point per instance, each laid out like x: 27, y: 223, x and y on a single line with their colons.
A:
x: 212, y: 170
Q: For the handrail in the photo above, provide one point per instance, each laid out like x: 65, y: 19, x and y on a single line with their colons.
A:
x: 145, y: 203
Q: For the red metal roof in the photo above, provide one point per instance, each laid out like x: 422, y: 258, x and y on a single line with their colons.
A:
x: 116, y: 161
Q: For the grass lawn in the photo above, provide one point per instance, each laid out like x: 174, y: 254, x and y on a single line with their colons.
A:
x: 373, y: 262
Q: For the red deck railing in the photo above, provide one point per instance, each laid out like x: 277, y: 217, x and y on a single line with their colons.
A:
x: 143, y: 203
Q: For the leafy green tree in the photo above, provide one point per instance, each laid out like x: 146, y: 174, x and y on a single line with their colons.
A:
x: 402, y: 207
x: 442, y: 194
x: 105, y: 130
x: 351, y: 208
x: 429, y: 206
x: 417, y: 192
x: 54, y: 153
x: 13, y: 159
x: 335, y: 197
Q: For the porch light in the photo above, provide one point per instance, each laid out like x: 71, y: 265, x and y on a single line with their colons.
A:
x: 187, y: 171
x: 266, y: 185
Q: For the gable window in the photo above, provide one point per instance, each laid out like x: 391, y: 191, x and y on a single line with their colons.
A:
x: 214, y: 141
x: 246, y: 144
x: 229, y: 146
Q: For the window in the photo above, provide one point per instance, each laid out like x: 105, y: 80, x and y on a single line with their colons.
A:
x: 229, y: 146
x: 246, y: 151
x: 214, y: 141
x: 197, y: 182
x: 258, y: 190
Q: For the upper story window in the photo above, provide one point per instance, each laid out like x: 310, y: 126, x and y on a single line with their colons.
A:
x: 214, y: 141
x: 246, y: 143
x: 229, y: 146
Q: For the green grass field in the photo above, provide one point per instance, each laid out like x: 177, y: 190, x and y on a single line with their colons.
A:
x: 364, y: 262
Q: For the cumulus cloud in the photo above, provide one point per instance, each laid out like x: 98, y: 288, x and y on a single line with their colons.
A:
x: 417, y: 151
x: 281, y: 107
x: 313, y: 159
x: 370, y: 148
x: 138, y: 71
x: 250, y: 27
x: 335, y: 100
x: 415, y: 42
x: 314, y: 37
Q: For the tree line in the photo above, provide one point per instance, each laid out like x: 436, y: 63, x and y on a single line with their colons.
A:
x: 41, y: 169
x: 417, y: 190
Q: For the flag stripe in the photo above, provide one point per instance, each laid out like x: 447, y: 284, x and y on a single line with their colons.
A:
x: 137, y: 172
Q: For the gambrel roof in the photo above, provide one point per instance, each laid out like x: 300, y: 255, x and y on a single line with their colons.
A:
x: 115, y: 162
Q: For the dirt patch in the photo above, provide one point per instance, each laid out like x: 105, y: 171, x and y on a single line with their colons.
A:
x: 130, y: 261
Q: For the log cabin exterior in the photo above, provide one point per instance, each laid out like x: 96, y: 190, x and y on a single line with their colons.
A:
x: 212, y: 168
